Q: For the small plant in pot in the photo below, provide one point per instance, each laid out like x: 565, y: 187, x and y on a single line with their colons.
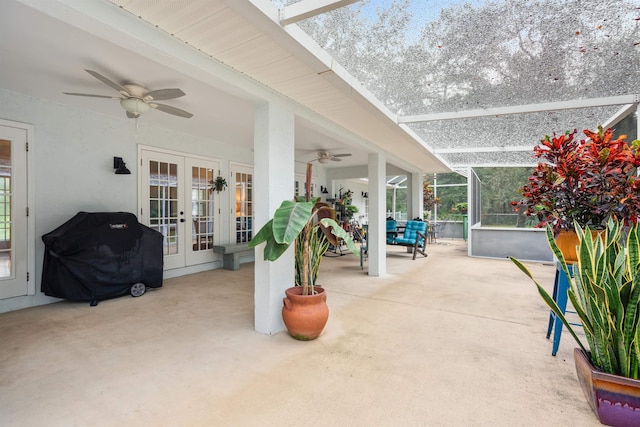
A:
x: 298, y: 222
x: 585, y: 181
x: 460, y: 208
x: 605, y: 292
x: 218, y: 184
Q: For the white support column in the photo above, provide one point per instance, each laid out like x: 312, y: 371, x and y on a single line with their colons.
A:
x: 274, y: 177
x: 472, y: 183
x: 377, y: 215
x: 304, y: 9
x: 638, y: 121
x: 415, y: 207
x: 393, y: 200
x: 409, y: 197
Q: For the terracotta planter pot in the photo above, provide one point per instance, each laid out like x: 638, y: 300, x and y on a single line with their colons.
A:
x: 567, y: 242
x: 614, y: 399
x: 305, y: 316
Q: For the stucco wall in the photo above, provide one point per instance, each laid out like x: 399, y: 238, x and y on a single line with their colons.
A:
x: 356, y: 199
x: 526, y: 244
x: 72, y: 156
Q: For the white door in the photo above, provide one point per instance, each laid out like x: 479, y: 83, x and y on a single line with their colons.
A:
x: 242, y: 205
x: 203, y: 215
x: 13, y: 212
x: 178, y: 202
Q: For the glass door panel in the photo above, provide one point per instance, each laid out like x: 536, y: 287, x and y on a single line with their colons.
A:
x: 13, y: 207
x: 6, y: 247
x: 202, y: 208
x: 243, y: 205
x: 204, y: 212
x: 164, y: 201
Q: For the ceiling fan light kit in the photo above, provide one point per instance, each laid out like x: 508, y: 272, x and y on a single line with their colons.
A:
x: 136, y: 99
x: 324, y: 157
x: 135, y: 106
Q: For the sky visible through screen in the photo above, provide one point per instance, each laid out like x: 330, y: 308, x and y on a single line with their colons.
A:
x: 422, y: 11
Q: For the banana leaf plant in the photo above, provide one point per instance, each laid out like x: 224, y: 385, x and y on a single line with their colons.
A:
x: 295, y: 221
x: 605, y: 292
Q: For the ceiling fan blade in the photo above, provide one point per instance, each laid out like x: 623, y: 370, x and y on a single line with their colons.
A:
x: 342, y: 155
x: 335, y: 159
x: 163, y: 94
x: 106, y: 81
x: 91, y: 95
x: 171, y: 110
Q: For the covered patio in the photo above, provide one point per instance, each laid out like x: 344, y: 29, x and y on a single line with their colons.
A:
x: 446, y: 340
x: 443, y: 340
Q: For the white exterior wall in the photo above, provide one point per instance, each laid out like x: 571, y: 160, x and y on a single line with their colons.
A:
x: 357, y: 199
x: 72, y: 157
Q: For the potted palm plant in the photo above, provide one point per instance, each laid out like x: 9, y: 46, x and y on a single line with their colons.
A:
x: 298, y: 222
x: 605, y: 292
x: 585, y: 181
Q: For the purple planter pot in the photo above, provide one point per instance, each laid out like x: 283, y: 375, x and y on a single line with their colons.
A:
x: 614, y: 399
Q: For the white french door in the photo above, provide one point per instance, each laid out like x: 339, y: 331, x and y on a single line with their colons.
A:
x: 13, y: 212
x: 178, y: 201
x: 203, y: 216
x: 242, y: 205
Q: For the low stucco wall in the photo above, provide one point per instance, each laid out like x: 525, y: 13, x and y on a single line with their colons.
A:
x: 451, y: 230
x: 527, y: 244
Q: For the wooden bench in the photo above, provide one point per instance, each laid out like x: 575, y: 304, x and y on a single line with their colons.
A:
x: 231, y: 254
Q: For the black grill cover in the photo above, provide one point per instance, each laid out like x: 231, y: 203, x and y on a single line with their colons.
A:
x: 96, y: 256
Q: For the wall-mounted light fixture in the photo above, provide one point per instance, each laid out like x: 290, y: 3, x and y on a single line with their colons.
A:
x: 365, y: 194
x: 120, y: 166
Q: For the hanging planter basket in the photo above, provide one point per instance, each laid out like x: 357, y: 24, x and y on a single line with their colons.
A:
x: 219, y: 184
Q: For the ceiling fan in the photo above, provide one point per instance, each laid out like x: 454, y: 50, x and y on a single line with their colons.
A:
x: 136, y: 99
x: 324, y: 156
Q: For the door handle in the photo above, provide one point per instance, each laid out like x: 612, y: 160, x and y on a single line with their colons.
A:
x: 182, y: 220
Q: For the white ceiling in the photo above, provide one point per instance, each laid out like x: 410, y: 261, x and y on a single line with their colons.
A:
x: 43, y: 57
x: 51, y: 59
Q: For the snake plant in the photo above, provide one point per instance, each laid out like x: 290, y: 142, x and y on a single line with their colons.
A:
x: 605, y: 292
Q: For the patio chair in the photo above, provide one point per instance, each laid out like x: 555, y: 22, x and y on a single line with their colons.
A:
x: 364, y: 246
x: 433, y: 231
x: 414, y: 236
x: 392, y: 230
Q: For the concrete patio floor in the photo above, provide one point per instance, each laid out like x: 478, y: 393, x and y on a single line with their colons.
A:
x: 441, y: 341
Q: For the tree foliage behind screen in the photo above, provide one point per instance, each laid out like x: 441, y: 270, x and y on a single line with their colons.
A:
x: 499, y: 188
x: 480, y: 54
